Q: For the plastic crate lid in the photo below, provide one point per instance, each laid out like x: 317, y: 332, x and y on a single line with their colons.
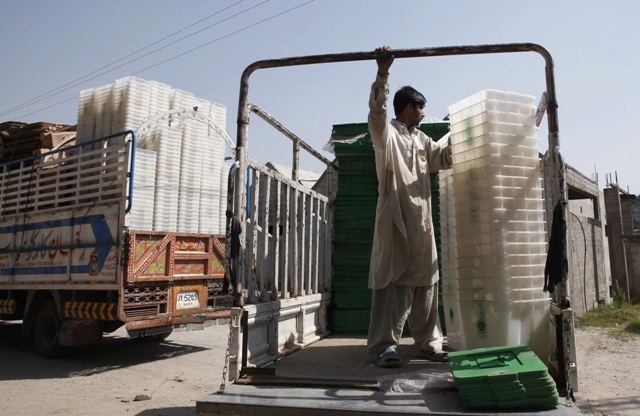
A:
x: 496, y: 363
x: 350, y: 129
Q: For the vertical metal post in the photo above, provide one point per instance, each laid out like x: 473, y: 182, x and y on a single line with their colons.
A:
x: 296, y: 161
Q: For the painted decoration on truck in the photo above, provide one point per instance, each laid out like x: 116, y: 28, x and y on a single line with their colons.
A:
x: 63, y: 246
x: 190, y: 244
x: 216, y: 266
x: 144, y: 242
x: 190, y: 267
x: 158, y: 266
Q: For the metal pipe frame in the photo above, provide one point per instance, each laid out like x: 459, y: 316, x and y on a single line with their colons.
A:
x: 558, y: 189
x: 558, y: 186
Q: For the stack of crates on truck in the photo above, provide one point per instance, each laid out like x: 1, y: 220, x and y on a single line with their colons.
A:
x: 498, y: 223
x: 178, y: 193
x: 85, y: 247
x: 353, y: 222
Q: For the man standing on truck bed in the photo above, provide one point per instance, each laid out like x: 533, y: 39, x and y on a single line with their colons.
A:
x: 404, y: 264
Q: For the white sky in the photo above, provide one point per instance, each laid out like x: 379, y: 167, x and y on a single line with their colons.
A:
x: 46, y: 45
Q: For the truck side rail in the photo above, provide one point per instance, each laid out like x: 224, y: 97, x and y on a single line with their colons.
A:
x: 90, y: 172
x: 287, y: 238
x: 558, y: 191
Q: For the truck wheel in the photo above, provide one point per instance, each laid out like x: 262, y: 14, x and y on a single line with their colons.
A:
x: 164, y: 335
x: 152, y: 338
x: 47, y: 331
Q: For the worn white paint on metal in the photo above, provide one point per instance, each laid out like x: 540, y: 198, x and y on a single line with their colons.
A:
x: 287, y: 270
x: 78, y: 175
x: 276, y: 241
x: 266, y: 279
x: 277, y: 328
x: 286, y: 293
x: 296, y: 255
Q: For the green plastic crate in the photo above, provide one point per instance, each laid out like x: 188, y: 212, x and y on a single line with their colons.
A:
x: 350, y: 129
x: 350, y: 321
x: 352, y: 299
x: 350, y: 272
x: 435, y: 130
x: 362, y: 146
x: 351, y: 293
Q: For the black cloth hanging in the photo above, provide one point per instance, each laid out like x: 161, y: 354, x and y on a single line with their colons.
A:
x: 556, y: 256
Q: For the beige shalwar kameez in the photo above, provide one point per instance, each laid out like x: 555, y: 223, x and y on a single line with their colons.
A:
x: 404, y: 264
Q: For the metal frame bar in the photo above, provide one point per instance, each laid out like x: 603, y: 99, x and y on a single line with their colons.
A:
x: 558, y: 189
x: 558, y: 186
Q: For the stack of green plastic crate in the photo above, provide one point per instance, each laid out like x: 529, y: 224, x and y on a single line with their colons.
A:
x: 507, y: 378
x: 353, y: 223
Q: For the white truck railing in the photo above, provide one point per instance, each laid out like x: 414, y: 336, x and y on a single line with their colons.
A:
x: 278, y: 258
x: 95, y: 171
x: 288, y: 240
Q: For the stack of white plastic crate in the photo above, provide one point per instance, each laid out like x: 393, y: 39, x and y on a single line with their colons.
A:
x: 211, y: 217
x: 208, y: 217
x: 448, y: 261
x: 130, y: 104
x: 499, y: 228
x: 189, y: 155
x: 141, y: 214
x: 190, y: 164
x: 86, y: 129
x: 103, y: 102
x: 167, y: 143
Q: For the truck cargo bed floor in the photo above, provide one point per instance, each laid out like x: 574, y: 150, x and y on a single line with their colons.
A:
x: 335, y: 377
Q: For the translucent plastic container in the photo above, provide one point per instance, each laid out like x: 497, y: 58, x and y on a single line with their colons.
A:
x: 492, y: 95
x: 471, y: 172
x: 523, y: 169
x: 491, y: 122
x: 502, y: 283
x: 501, y: 294
x: 492, y: 324
x: 452, y: 316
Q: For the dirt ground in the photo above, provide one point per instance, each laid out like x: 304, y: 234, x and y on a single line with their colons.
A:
x: 104, y: 379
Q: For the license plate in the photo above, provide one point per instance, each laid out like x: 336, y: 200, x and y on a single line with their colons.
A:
x: 188, y: 300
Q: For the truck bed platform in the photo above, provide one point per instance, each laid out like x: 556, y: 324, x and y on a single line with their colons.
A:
x: 335, y: 377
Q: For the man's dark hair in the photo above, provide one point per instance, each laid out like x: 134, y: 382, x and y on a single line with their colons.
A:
x: 405, y: 96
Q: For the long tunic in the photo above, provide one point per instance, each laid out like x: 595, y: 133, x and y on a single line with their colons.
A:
x: 404, y: 248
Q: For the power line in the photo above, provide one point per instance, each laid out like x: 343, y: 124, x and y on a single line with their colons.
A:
x: 225, y: 36
x: 184, y: 53
x: 76, y: 81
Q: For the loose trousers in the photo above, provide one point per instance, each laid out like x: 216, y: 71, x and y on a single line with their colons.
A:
x: 394, y: 305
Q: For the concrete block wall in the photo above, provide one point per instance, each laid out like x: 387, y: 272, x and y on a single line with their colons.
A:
x: 632, y: 246
x: 615, y: 207
x: 589, y: 280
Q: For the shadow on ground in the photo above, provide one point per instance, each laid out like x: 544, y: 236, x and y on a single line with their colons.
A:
x: 169, y: 411
x: 19, y: 360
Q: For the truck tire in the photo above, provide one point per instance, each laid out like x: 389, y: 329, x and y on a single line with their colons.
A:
x: 164, y: 335
x: 153, y: 338
x: 47, y: 331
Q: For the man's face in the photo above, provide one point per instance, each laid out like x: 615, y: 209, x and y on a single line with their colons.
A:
x: 416, y: 114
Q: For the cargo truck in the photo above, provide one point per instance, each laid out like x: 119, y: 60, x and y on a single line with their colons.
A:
x: 285, y: 356
x: 71, y: 267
